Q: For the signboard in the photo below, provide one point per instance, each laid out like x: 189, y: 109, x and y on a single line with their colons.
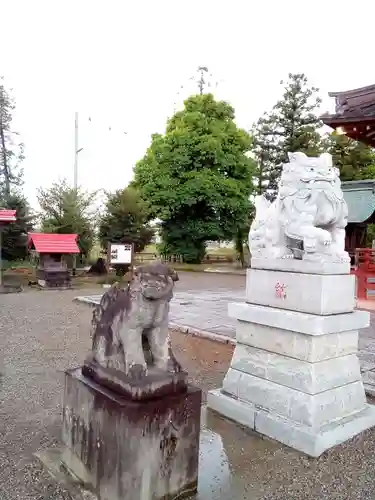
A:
x: 121, y: 253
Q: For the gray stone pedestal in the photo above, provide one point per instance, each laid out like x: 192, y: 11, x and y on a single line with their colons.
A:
x: 295, y: 375
x: 131, y: 450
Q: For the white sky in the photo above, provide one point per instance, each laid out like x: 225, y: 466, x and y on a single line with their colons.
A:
x: 123, y: 62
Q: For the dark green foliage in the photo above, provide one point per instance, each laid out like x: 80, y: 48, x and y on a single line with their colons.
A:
x: 14, y: 234
x: 370, y: 235
x: 291, y: 126
x: 355, y: 160
x: 125, y: 220
x: 197, y: 177
x: 14, y: 237
x: 66, y: 210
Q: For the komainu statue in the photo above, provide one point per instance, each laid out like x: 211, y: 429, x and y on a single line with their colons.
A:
x: 131, y: 350
x: 308, y: 218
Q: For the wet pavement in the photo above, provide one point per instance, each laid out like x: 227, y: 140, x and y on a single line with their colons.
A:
x: 44, y: 333
x: 197, y: 310
x: 205, y: 311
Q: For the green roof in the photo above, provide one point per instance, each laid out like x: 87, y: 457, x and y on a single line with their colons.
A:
x: 360, y: 198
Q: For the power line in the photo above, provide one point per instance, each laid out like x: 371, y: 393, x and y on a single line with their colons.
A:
x: 78, y: 149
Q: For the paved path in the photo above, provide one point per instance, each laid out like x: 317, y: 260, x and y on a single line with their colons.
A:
x: 198, y: 310
x: 206, y: 311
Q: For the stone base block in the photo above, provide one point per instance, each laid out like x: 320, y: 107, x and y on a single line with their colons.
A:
x: 310, y: 378
x: 312, y: 348
x: 156, y: 384
x: 131, y: 450
x: 310, y: 324
x: 302, y: 266
x: 309, y: 293
x: 54, y: 278
x: 311, y: 410
x: 286, y: 431
x: 306, y: 337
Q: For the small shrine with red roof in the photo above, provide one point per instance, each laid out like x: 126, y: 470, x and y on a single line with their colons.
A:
x: 51, y: 248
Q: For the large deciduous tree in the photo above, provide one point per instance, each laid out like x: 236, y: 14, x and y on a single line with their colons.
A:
x: 197, y: 177
x: 11, y: 149
x: 292, y: 125
x: 125, y: 220
x: 68, y: 210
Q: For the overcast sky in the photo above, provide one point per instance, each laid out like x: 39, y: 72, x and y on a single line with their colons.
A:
x: 122, y: 63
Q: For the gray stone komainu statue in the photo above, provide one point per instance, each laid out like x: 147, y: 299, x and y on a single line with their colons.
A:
x: 131, y: 422
x: 131, y: 349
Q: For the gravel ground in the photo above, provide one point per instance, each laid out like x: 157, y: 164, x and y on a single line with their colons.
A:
x: 43, y: 333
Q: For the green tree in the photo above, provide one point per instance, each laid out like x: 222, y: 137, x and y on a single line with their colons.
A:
x: 292, y: 125
x: 11, y: 150
x: 14, y: 234
x: 265, y: 150
x: 197, y: 177
x: 125, y: 220
x: 66, y: 210
x: 355, y: 160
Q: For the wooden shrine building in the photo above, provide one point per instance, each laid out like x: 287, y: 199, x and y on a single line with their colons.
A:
x: 355, y: 117
x: 354, y: 114
x: 50, y: 249
x: 360, y: 198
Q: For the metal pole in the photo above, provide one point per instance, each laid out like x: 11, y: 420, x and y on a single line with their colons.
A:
x: 75, y: 177
x: 75, y: 182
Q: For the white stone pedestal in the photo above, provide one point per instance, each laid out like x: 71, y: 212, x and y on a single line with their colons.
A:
x: 295, y: 375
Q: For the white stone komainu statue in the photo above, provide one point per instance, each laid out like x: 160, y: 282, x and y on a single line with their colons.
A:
x: 295, y: 376
x: 308, y: 218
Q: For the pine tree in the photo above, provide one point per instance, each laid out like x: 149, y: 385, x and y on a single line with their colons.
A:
x: 11, y: 150
x: 266, y: 152
x: 66, y: 210
x: 291, y: 126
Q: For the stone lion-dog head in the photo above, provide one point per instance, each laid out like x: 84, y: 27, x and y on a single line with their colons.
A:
x: 155, y: 281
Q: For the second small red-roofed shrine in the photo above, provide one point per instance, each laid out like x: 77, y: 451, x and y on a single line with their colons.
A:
x: 52, y: 270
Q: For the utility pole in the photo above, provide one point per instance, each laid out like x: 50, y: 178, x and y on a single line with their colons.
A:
x: 75, y: 181
x: 77, y: 150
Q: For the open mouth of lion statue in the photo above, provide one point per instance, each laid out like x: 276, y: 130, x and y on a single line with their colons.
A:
x: 318, y: 180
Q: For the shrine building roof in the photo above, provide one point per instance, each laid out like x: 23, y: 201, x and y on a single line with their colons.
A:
x: 7, y: 215
x: 354, y: 114
x: 360, y: 198
x: 53, y: 243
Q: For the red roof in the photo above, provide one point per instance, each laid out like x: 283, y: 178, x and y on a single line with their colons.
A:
x: 54, y: 243
x: 7, y: 215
